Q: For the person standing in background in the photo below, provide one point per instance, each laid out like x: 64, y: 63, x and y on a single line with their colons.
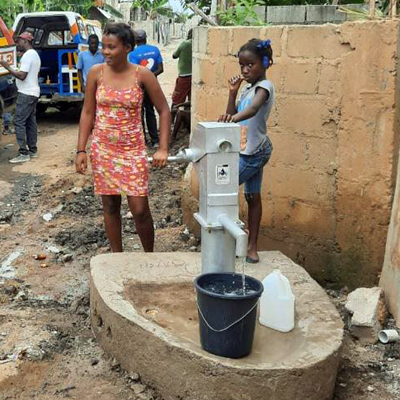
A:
x: 88, y: 58
x: 147, y: 56
x: 6, y: 124
x: 28, y: 96
x: 183, y: 84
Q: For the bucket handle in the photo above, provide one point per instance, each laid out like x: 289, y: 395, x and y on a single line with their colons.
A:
x: 229, y: 326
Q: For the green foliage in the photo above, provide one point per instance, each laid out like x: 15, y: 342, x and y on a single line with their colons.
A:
x: 154, y: 8
x: 382, y: 10
x: 181, y: 18
x: 9, y: 9
x: 305, y: 2
x: 292, y: 2
x: 242, y: 13
x: 79, y: 6
x: 356, y: 14
x: 205, y: 5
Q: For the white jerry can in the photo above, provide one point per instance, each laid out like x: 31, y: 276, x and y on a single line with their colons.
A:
x: 277, y: 303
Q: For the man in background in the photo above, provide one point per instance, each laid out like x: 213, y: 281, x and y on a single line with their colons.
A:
x: 28, y: 95
x: 7, y: 124
x: 183, y: 83
x: 147, y: 56
x: 88, y: 58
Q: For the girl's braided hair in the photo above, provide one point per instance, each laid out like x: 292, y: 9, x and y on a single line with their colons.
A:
x: 122, y: 31
x: 261, y: 48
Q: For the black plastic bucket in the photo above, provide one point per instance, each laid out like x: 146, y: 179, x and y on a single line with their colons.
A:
x: 227, y: 317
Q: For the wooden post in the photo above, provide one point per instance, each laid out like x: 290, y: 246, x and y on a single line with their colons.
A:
x: 221, y: 5
x: 206, y: 18
x: 372, y: 8
x: 393, y: 8
x: 214, y: 6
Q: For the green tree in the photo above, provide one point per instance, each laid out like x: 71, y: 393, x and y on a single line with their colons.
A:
x: 181, y: 17
x: 79, y: 6
x: 205, y: 5
x: 242, y: 13
x: 154, y: 8
x: 9, y: 9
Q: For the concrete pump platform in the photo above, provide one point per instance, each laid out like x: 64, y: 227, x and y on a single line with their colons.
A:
x: 144, y: 314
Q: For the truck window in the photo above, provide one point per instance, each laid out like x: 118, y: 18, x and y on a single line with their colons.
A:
x: 38, y: 36
x: 55, y: 38
x: 59, y: 38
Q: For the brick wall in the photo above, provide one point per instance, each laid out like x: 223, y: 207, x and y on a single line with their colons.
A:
x: 328, y: 188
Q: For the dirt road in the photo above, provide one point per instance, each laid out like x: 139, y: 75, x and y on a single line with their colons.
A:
x: 47, y: 349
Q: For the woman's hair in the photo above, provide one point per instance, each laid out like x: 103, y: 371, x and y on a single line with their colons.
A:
x: 122, y: 31
x: 261, y: 48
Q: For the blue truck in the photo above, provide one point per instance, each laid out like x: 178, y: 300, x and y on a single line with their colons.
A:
x: 8, y: 89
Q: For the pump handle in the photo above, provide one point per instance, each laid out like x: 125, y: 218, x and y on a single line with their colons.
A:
x: 184, y: 156
x: 170, y: 159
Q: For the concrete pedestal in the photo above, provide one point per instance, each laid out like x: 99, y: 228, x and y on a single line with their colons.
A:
x: 144, y: 314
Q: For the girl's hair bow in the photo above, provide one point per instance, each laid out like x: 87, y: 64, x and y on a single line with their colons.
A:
x: 264, y: 43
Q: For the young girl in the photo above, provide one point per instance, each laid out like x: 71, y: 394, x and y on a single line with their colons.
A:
x: 251, y: 112
x: 112, y: 113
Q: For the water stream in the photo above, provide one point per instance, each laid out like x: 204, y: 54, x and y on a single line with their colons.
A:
x: 232, y: 288
x: 243, y: 274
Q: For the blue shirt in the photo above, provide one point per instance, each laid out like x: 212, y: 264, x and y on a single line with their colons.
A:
x: 86, y: 60
x: 147, y: 56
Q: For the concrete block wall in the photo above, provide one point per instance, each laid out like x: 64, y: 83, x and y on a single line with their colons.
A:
x: 328, y: 189
x: 286, y: 14
x: 308, y: 14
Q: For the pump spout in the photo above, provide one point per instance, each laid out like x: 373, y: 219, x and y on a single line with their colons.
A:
x: 237, y: 233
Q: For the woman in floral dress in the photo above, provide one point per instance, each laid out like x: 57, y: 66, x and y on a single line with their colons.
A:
x: 112, y: 114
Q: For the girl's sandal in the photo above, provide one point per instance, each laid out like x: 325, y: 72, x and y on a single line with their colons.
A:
x: 251, y: 260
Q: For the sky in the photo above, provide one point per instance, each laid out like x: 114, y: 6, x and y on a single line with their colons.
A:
x: 176, y: 5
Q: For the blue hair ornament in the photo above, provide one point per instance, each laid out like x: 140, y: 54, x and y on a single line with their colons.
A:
x: 264, y: 44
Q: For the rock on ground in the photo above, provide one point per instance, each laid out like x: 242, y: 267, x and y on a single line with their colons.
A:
x: 367, y: 306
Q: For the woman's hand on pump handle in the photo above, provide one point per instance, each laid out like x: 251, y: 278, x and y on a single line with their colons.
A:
x: 160, y: 158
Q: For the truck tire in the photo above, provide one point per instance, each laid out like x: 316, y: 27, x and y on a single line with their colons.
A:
x: 41, y: 109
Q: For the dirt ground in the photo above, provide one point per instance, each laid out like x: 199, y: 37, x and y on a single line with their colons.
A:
x: 47, y: 350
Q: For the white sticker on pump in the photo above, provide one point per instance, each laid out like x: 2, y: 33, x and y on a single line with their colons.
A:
x: 223, y: 175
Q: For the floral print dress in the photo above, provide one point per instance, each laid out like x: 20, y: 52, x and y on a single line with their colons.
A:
x: 118, y: 156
